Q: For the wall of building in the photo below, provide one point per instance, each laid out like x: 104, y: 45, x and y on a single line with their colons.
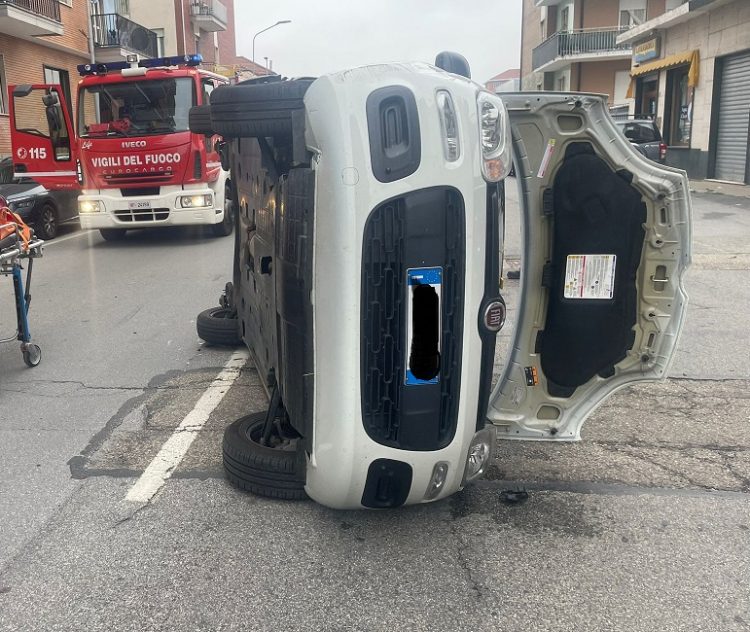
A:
x: 717, y: 33
x: 655, y: 8
x: 157, y: 14
x: 599, y: 76
x: 531, y: 37
x: 600, y: 14
x: 24, y: 60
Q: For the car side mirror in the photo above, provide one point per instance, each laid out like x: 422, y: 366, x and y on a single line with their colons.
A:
x: 453, y: 63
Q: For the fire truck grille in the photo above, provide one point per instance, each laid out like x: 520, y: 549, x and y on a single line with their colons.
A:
x: 422, y: 229
x: 138, y: 178
x: 143, y: 215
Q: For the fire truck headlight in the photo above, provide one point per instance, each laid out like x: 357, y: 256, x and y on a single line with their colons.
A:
x: 195, y: 201
x: 90, y: 206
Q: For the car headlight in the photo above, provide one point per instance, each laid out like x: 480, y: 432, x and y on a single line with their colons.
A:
x: 22, y: 204
x: 494, y: 132
x: 196, y: 201
x: 90, y: 206
x: 481, y: 449
x: 448, y: 126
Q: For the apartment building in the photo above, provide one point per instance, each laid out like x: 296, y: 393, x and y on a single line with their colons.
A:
x: 691, y: 71
x: 206, y: 27
x: 573, y: 45
x: 507, y: 81
x: 41, y: 41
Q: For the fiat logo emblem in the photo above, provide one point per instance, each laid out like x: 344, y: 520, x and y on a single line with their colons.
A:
x: 494, y: 316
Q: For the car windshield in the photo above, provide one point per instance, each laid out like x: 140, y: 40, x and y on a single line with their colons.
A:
x: 136, y: 108
x: 640, y: 131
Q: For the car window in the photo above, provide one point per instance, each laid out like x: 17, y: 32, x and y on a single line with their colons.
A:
x: 640, y: 131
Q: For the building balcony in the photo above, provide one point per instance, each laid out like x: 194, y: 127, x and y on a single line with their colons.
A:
x: 682, y: 11
x: 209, y: 15
x: 581, y: 45
x: 30, y: 18
x: 116, y: 37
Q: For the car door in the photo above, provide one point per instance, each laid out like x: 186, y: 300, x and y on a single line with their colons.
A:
x: 42, y: 136
x: 606, y: 243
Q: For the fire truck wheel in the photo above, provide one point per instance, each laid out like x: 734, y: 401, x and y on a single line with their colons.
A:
x: 112, y: 234
x: 274, y: 471
x: 224, y: 228
x: 199, y: 120
x: 219, y: 326
x: 257, y: 110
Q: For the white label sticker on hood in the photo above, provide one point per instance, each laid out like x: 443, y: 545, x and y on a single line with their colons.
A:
x: 590, y: 276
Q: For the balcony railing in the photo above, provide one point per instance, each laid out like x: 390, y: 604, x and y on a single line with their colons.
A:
x: 209, y: 8
x: 114, y: 30
x: 47, y: 8
x: 577, y: 42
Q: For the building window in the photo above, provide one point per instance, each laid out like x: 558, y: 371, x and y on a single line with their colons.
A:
x: 679, y: 107
x: 3, y: 86
x: 630, y: 18
x: 564, y: 19
x: 160, y: 48
x: 62, y: 78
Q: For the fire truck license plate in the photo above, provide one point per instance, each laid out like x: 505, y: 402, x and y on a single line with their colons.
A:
x: 139, y: 205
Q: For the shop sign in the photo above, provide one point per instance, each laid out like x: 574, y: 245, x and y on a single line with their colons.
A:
x: 646, y: 50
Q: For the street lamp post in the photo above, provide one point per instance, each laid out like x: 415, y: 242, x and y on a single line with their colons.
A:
x: 264, y: 30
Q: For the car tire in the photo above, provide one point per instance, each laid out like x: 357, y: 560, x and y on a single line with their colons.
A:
x: 224, y: 227
x: 112, y: 234
x: 257, y: 109
x: 47, y: 224
x: 273, y: 472
x: 219, y: 326
x: 199, y: 120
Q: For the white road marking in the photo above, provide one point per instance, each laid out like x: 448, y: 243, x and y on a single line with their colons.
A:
x: 59, y: 240
x: 175, y: 448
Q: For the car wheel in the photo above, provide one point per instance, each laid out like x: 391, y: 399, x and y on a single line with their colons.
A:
x: 224, y: 228
x: 257, y: 109
x: 273, y: 471
x: 46, y: 226
x: 112, y: 234
x: 199, y: 120
x: 219, y: 326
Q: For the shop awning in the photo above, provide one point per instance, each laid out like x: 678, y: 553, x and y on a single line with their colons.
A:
x: 670, y: 61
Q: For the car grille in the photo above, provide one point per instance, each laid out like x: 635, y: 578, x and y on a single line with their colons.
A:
x: 422, y: 229
x: 143, y: 215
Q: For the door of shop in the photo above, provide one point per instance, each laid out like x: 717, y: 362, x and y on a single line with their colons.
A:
x: 734, y: 120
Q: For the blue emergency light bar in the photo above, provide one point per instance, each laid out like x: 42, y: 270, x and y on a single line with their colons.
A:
x: 159, y: 62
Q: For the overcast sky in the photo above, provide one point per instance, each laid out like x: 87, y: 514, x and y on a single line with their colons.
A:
x: 329, y: 35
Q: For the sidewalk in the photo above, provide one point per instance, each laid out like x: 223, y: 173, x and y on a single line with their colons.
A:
x: 719, y: 186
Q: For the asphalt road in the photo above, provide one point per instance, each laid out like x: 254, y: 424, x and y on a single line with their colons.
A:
x: 645, y: 525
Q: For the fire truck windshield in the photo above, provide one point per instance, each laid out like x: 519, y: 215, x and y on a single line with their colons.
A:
x: 135, y: 108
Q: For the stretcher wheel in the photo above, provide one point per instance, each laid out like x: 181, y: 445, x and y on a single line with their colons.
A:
x: 32, y: 355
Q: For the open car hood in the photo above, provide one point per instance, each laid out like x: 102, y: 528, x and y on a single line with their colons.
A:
x: 606, y: 244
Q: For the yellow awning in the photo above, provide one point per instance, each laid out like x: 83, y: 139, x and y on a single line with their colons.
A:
x: 690, y: 57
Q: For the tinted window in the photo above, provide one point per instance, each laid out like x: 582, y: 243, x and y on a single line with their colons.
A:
x: 640, y: 131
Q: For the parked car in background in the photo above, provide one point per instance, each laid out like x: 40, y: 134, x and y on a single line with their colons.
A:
x: 644, y: 134
x: 42, y: 209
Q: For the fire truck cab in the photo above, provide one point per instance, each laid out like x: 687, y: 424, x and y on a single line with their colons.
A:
x: 131, y: 152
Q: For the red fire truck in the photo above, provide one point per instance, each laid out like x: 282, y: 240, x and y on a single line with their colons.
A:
x: 132, y: 154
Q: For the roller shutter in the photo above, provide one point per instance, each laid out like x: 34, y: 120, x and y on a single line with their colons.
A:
x: 734, y: 120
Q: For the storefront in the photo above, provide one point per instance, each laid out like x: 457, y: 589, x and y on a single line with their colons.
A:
x: 730, y: 148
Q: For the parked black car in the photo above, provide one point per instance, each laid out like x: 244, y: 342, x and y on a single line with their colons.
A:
x: 42, y: 209
x: 646, y: 137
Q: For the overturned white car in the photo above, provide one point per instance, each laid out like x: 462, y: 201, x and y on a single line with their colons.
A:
x: 367, y: 266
